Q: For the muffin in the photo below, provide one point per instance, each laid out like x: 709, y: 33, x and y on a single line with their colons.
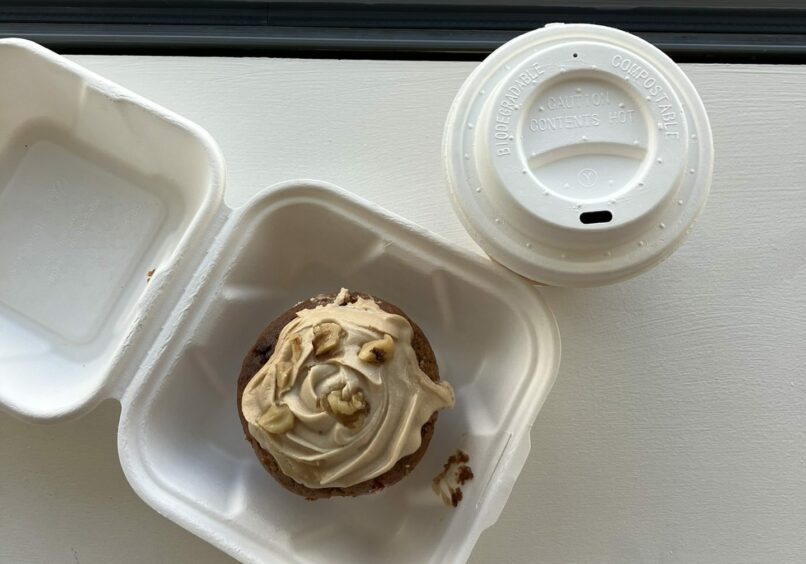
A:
x: 339, y: 396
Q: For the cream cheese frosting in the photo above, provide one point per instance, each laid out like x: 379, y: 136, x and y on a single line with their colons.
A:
x: 342, y: 398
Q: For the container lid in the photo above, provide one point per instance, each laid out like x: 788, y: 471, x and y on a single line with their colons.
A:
x: 106, y: 201
x: 578, y: 155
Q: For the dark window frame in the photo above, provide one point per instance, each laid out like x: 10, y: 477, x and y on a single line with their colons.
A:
x: 389, y: 30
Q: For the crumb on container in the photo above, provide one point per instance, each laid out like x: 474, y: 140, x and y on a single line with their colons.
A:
x: 454, y: 474
x: 150, y: 274
x: 464, y: 474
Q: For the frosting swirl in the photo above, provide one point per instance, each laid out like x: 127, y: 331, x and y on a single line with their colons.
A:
x: 342, y: 398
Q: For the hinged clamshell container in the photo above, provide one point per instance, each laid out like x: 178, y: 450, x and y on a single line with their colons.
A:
x: 123, y: 275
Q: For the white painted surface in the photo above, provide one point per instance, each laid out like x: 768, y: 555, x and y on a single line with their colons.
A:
x: 676, y: 431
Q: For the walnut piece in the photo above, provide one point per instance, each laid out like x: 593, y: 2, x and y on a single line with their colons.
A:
x: 282, y: 375
x: 296, y: 347
x: 349, y: 411
x: 350, y: 406
x: 377, y: 351
x: 277, y: 420
x: 342, y: 297
x: 326, y: 337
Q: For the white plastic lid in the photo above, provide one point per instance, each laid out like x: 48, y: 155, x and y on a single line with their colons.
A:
x: 578, y: 155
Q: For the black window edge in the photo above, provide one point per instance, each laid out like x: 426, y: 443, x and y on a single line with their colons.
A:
x: 390, y: 31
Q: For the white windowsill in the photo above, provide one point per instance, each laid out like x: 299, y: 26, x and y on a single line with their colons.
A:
x: 676, y: 431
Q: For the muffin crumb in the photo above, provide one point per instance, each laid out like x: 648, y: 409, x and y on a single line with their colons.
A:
x: 464, y: 475
x: 454, y: 474
x: 456, y: 496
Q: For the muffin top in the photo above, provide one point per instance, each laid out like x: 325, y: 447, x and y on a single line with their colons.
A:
x: 343, y: 397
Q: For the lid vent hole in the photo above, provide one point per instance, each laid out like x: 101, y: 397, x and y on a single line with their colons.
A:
x: 602, y: 216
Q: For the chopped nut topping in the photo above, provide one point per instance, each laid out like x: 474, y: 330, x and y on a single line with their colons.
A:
x: 377, y: 351
x: 277, y: 420
x: 326, y: 337
x: 342, y: 297
x: 346, y: 407
x: 349, y: 411
x: 282, y: 375
x: 296, y: 347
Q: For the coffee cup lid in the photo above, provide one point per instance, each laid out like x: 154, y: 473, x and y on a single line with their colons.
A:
x: 578, y: 155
